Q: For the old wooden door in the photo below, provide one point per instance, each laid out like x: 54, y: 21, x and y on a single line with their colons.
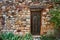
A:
x: 35, y: 22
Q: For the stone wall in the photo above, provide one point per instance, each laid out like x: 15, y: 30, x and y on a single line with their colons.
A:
x: 16, y: 18
x: 46, y: 26
x: 18, y: 23
x: 22, y: 21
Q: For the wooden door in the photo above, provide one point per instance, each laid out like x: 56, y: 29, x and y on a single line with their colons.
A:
x: 35, y: 22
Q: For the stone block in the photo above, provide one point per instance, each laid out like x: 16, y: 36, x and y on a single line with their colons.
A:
x: 28, y: 11
x: 27, y: 28
x: 27, y: 25
x: 44, y: 13
x: 43, y: 18
x: 28, y: 20
x: 27, y: 15
x: 22, y: 28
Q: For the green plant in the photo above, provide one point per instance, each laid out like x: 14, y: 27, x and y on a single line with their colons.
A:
x: 20, y: 38
x: 7, y: 36
x: 55, y: 17
x: 55, y: 0
x: 15, y: 37
x: 28, y: 36
x: 45, y: 37
x: 1, y: 38
x: 10, y: 36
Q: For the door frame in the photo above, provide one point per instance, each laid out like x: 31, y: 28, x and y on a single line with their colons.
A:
x: 35, y: 10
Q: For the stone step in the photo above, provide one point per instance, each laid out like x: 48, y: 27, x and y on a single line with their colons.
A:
x: 36, y: 38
